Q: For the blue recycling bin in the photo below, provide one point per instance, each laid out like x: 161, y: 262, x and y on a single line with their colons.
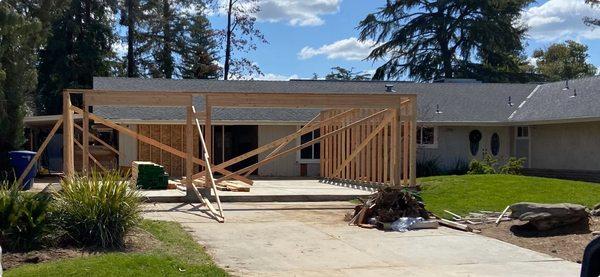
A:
x: 19, y: 161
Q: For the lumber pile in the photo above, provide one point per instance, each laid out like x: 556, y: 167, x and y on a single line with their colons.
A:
x: 148, y: 175
x: 481, y: 217
x: 227, y: 185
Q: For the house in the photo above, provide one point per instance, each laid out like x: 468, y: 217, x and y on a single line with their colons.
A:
x: 555, y: 126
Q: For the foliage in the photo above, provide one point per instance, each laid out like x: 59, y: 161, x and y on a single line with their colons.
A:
x: 340, y: 73
x: 198, y: 58
x: 20, y: 36
x: 24, y: 220
x: 78, y: 49
x: 562, y: 61
x: 473, y: 193
x: 427, y: 40
x: 513, y: 166
x: 486, y: 166
x: 97, y: 210
x: 131, y: 13
x: 240, y: 35
x: 428, y: 167
x: 590, y: 21
x: 175, y: 254
x: 460, y: 167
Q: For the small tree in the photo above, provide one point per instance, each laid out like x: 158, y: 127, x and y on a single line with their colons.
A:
x: 563, y: 61
x: 340, y: 73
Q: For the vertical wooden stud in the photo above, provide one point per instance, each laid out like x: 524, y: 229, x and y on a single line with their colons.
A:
x: 85, y: 140
x: 189, y: 152
x: 413, y: 141
x: 68, y: 141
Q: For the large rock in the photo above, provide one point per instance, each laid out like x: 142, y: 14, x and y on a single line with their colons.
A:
x: 549, y: 216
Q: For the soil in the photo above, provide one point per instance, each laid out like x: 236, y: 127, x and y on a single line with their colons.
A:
x: 137, y: 241
x: 566, y: 243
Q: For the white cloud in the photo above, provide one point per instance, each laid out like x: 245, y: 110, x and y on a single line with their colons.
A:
x: 269, y: 77
x: 293, y: 12
x: 297, y: 12
x: 347, y: 49
x: 560, y: 20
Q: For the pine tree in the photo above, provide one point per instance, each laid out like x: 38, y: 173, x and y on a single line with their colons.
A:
x: 20, y: 36
x: 198, y: 55
x: 78, y: 49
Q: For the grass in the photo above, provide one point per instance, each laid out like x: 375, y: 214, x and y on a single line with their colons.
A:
x: 177, y: 254
x: 470, y: 193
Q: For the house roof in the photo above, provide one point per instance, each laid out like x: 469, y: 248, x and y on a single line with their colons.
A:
x: 553, y: 102
x: 449, y: 103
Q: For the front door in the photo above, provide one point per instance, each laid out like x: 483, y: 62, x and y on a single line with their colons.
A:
x: 522, y: 138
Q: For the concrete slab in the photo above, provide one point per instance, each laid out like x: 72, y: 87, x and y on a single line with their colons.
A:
x: 310, y: 239
x: 274, y: 190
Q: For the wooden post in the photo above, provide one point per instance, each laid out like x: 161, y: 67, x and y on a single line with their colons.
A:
x: 68, y: 144
x: 208, y: 133
x: 413, y: 141
x: 394, y: 145
x: 189, y: 152
x: 85, y: 141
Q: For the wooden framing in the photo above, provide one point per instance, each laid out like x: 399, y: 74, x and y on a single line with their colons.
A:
x: 364, y: 138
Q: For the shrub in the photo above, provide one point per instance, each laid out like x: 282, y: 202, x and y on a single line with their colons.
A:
x: 23, y: 218
x: 97, y: 210
x: 485, y: 166
x: 461, y: 167
x: 513, y: 166
x: 428, y: 167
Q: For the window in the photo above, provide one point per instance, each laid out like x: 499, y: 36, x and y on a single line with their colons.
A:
x: 495, y: 144
x: 523, y: 132
x: 311, y: 153
x: 426, y: 137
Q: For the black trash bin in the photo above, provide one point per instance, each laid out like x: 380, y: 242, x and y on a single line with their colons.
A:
x: 19, y: 161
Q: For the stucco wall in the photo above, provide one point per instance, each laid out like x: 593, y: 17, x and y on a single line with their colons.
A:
x: 283, y: 166
x: 453, y: 144
x: 573, y: 146
x: 127, y: 148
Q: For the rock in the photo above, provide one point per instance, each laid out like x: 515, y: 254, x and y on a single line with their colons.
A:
x: 596, y: 210
x: 548, y: 216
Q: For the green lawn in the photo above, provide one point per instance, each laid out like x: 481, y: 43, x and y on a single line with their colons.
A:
x: 176, y: 255
x: 469, y: 193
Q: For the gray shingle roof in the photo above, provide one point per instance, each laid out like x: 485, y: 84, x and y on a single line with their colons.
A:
x: 550, y: 102
x: 458, y: 102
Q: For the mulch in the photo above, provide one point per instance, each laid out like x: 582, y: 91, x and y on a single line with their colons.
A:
x: 566, y: 243
x: 137, y: 241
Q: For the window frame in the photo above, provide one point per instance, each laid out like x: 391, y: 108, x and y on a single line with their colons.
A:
x: 523, y: 128
x: 299, y: 158
x: 434, y: 145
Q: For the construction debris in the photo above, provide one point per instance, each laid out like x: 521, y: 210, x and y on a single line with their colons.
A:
x: 388, y: 205
x: 481, y: 217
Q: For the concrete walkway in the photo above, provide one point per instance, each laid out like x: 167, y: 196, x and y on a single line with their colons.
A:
x: 310, y: 239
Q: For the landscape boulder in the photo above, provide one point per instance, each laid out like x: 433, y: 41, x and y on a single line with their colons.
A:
x: 548, y: 216
x: 596, y: 210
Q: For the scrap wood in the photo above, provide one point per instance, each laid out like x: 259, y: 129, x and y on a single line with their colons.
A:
x: 455, y: 216
x: 501, y: 215
x: 455, y: 225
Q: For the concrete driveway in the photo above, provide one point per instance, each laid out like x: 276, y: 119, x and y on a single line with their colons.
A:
x: 311, y: 239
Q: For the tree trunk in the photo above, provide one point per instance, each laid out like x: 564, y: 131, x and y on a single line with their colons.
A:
x: 228, y: 43
x: 168, y: 39
x: 131, y: 69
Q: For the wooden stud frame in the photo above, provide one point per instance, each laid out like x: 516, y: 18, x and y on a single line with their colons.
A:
x: 363, y: 137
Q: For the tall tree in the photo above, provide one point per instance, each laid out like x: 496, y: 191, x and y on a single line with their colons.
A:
x: 561, y: 61
x: 20, y: 36
x: 130, y: 15
x: 428, y: 40
x: 199, y: 52
x: 591, y: 21
x: 240, y: 35
x: 78, y: 49
x: 340, y: 73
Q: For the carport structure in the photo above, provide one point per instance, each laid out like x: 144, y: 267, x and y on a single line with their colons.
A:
x: 364, y: 138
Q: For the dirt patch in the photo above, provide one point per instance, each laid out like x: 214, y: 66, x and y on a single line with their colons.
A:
x: 137, y: 240
x: 567, y: 243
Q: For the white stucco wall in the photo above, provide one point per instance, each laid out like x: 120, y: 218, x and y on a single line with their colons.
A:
x: 573, y: 146
x: 453, y: 144
x: 283, y: 166
x: 127, y: 148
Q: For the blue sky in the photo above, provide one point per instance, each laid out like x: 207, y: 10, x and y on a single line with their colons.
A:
x: 307, y: 37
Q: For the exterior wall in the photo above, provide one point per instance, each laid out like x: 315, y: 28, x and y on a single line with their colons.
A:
x: 453, y: 144
x: 128, y: 148
x: 283, y: 166
x: 572, y: 146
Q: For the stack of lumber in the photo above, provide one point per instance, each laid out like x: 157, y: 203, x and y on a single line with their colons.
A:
x: 481, y: 217
x: 227, y: 185
x: 148, y: 175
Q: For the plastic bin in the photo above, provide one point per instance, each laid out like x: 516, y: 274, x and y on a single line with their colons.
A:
x: 19, y: 161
